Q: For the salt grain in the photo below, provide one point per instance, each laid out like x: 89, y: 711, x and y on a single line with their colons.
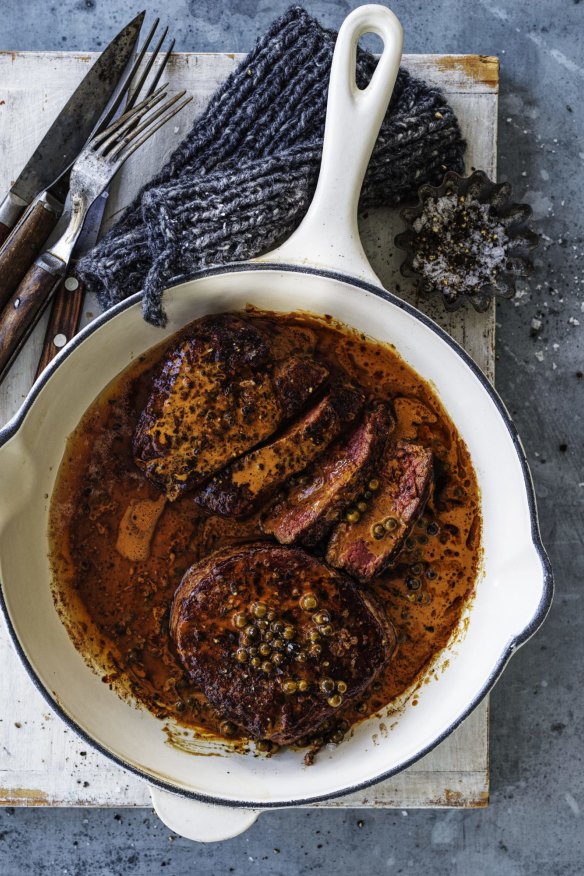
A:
x: 461, y: 245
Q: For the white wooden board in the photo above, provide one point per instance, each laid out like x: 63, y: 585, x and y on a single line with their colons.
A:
x: 42, y: 762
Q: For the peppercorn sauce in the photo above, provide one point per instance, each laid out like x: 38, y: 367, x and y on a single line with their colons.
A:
x: 118, y: 552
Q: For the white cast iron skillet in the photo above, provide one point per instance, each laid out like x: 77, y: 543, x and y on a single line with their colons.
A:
x: 323, y: 269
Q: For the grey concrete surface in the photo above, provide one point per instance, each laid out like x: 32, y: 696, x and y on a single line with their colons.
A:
x: 535, y: 823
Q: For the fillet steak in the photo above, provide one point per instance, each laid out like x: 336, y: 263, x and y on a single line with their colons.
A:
x: 218, y: 394
x: 276, y: 640
x: 367, y: 547
x: 250, y: 481
x: 312, y: 507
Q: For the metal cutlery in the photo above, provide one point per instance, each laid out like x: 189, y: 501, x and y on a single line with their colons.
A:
x: 30, y: 195
x: 93, y: 170
x: 67, y: 299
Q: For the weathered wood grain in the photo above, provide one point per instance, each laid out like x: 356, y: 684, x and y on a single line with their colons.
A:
x: 42, y: 762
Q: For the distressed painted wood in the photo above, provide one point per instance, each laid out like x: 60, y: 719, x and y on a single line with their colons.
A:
x: 42, y: 762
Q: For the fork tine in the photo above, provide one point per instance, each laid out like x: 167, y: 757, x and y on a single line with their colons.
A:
x: 146, y: 71
x: 161, y: 69
x: 124, y: 90
x: 132, y: 91
x: 134, y: 132
x: 135, y: 144
x: 105, y: 138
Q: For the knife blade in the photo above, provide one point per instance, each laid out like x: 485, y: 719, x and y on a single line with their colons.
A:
x: 68, y: 133
x: 68, y: 299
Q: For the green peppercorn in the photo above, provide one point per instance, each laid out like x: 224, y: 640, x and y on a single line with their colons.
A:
x: 278, y: 644
x: 417, y: 569
x: 352, y: 516
x: 267, y: 667
x: 256, y: 662
x: 378, y: 531
x: 390, y: 523
x: 239, y: 620
x: 271, y: 615
x: 373, y: 485
x: 327, y: 685
x: 322, y: 617
x: 342, y: 687
x: 241, y: 655
x: 265, y: 649
x: 289, y: 686
x: 326, y: 630
x: 277, y: 659
x: 314, y: 635
x: 433, y: 529
x: 362, y: 506
x: 303, y: 685
x: 288, y: 632
x: 335, y: 701
x: 260, y: 609
x: 308, y: 602
x: 276, y: 626
x: 251, y: 632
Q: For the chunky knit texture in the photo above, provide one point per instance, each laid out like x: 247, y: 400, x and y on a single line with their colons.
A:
x: 243, y: 177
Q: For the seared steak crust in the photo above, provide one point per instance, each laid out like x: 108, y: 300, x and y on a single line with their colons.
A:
x: 250, y: 481
x: 366, y: 548
x: 217, y: 395
x: 311, y: 508
x: 319, y: 641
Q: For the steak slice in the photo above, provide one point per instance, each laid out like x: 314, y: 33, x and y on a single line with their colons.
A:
x: 245, y: 622
x: 310, y: 509
x: 366, y: 548
x: 243, y: 487
x: 218, y: 393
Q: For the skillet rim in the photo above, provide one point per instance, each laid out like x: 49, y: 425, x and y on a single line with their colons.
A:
x: 13, y: 426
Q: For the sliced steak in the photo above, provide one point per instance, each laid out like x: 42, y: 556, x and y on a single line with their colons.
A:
x: 276, y: 640
x: 243, y: 487
x: 366, y: 548
x: 311, y: 508
x: 218, y: 393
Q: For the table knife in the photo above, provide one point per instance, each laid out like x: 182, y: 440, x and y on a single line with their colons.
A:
x: 26, y: 220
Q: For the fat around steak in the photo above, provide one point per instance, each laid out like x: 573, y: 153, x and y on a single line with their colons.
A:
x: 218, y: 393
x: 276, y: 640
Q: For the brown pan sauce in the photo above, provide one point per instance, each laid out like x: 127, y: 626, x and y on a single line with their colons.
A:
x: 114, y: 582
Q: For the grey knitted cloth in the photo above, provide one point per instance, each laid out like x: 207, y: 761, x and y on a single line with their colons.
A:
x: 244, y: 176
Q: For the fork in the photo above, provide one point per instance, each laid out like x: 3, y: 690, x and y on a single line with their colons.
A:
x: 67, y: 300
x: 91, y: 173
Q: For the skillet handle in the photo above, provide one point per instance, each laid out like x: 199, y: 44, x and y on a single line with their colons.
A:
x: 328, y: 236
x: 200, y: 822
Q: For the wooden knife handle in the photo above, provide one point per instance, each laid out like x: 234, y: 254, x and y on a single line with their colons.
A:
x: 4, y: 232
x: 22, y: 313
x: 63, y: 321
x: 23, y: 246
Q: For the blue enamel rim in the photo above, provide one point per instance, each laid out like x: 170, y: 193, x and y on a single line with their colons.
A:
x: 548, y: 583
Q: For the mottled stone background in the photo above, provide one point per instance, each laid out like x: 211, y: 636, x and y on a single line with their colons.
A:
x: 535, y: 823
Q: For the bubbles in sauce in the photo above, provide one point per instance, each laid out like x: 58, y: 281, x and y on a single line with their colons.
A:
x: 119, y: 551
